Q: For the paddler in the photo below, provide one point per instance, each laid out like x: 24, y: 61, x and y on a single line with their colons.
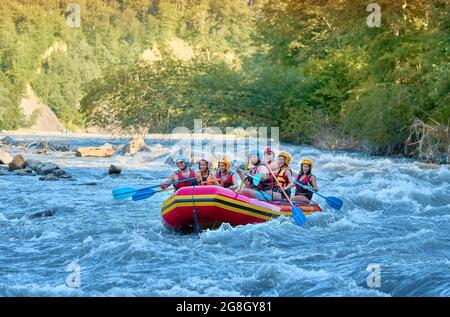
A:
x: 269, y: 158
x: 284, y: 175
x: 264, y: 189
x: 183, y: 172
x: 306, y: 178
x: 225, y: 177
x: 204, y: 174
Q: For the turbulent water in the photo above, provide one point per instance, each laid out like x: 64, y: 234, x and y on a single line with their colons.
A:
x: 395, y: 222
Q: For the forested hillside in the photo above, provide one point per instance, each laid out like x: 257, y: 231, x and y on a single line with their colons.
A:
x: 313, y: 68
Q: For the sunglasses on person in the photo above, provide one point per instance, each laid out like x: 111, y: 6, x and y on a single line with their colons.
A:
x: 180, y: 162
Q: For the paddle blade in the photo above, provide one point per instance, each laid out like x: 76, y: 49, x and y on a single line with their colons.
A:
x: 298, y: 215
x: 334, y: 202
x: 143, y: 194
x: 257, y: 179
x: 123, y: 192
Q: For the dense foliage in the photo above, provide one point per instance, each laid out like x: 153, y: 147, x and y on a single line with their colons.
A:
x: 309, y: 67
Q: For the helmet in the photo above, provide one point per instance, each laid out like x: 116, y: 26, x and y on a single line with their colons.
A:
x: 256, y: 152
x: 268, y: 149
x: 308, y: 162
x: 225, y: 161
x: 286, y: 156
x: 206, y: 160
x: 182, y: 158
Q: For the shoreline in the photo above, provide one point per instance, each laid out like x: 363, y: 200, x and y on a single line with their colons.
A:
x: 185, y: 136
x: 87, y: 135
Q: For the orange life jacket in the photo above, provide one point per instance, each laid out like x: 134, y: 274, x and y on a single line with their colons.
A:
x: 281, y: 176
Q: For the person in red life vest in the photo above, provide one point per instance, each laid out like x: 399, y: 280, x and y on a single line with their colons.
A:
x: 305, y: 178
x: 204, y: 174
x: 269, y: 158
x: 183, y: 172
x: 264, y: 189
x: 224, y: 176
x: 284, y: 175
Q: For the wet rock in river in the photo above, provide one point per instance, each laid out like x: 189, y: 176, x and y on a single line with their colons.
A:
x: 8, y: 141
x: 101, y: 151
x: 5, y: 158
x: 49, y: 178
x: 46, y: 168
x: 42, y: 214
x: 114, y: 170
x: 18, y: 162
x: 134, y: 146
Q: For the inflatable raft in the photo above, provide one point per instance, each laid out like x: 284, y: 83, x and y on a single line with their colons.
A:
x: 210, y: 206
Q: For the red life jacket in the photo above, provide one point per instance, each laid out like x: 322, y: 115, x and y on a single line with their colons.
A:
x: 300, y: 190
x: 186, y: 183
x: 265, y: 185
x: 227, y: 182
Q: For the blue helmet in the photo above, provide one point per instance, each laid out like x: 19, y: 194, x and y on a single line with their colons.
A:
x: 256, y: 152
x: 182, y: 158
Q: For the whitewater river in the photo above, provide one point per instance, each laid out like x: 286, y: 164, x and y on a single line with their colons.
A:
x: 395, y: 222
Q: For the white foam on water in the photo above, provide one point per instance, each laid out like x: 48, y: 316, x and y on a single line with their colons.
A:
x: 3, y: 218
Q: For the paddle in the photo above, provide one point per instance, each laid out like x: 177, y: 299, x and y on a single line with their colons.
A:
x: 148, y: 192
x: 256, y: 178
x: 333, y: 202
x: 246, y: 169
x: 297, y: 213
x: 125, y: 192
x: 140, y: 195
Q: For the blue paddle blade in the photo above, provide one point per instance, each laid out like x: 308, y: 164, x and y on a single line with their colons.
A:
x: 334, y: 202
x: 298, y: 215
x: 123, y: 192
x: 257, y: 179
x: 143, y: 194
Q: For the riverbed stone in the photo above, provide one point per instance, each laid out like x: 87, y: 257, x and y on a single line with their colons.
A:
x: 5, y: 158
x: 48, y: 178
x: 134, y: 146
x: 8, y: 141
x: 47, y: 168
x: 101, y: 151
x: 18, y: 162
x: 114, y: 170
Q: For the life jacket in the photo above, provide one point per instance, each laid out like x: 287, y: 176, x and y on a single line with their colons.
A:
x: 281, y: 176
x: 300, y: 190
x: 265, y: 185
x: 227, y: 182
x: 207, y: 178
x: 186, y: 183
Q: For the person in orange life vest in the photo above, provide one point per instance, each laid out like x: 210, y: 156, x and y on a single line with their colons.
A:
x: 284, y: 175
x: 224, y: 176
x: 305, y: 178
x: 264, y: 189
x: 204, y: 174
x: 269, y: 158
x: 183, y: 172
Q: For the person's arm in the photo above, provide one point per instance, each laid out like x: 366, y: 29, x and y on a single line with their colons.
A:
x: 213, y: 180
x: 198, y: 176
x: 274, y: 166
x: 235, y: 182
x: 264, y: 171
x: 314, y: 183
x: 172, y: 178
x: 290, y: 177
